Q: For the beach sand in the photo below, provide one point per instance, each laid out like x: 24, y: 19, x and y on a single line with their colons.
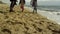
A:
x: 25, y: 22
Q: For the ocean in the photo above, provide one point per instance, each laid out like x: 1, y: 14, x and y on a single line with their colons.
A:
x: 52, y: 12
x: 49, y: 8
x: 52, y: 9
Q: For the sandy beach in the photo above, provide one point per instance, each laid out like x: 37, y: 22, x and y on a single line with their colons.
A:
x: 25, y: 22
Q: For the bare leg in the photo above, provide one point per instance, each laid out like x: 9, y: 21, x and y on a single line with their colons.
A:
x: 35, y: 9
x: 22, y: 7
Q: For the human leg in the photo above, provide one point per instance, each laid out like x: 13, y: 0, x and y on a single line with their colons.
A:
x: 11, y: 6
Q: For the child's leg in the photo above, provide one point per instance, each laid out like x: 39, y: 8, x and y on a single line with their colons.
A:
x: 22, y: 7
x: 34, y: 9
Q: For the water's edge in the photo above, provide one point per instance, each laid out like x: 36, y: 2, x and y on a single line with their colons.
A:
x: 49, y: 15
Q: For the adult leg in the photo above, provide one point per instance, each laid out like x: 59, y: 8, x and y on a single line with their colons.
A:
x: 11, y: 6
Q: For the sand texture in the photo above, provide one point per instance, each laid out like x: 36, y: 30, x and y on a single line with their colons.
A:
x: 25, y: 22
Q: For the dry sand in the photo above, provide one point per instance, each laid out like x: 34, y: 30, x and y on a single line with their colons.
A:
x: 25, y: 22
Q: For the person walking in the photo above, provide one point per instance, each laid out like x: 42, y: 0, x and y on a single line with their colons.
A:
x: 13, y: 3
x: 34, y: 5
x: 21, y: 3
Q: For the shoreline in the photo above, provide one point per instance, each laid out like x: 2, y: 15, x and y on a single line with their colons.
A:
x: 47, y: 14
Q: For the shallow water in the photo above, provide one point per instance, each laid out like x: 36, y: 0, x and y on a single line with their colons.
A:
x: 55, y: 16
